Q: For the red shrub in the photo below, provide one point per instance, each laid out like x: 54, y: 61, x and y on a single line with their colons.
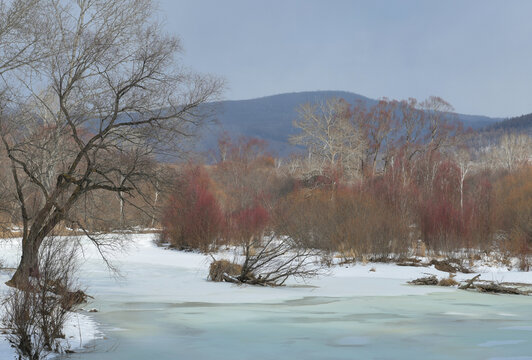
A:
x: 250, y: 222
x: 192, y: 218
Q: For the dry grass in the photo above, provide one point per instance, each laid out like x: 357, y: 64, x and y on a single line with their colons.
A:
x: 8, y: 234
x: 219, y: 268
x: 450, y: 281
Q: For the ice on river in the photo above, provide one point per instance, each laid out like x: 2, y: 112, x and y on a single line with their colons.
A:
x: 161, y: 306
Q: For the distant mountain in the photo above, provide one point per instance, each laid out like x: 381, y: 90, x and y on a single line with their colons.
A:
x: 270, y: 118
x: 522, y: 124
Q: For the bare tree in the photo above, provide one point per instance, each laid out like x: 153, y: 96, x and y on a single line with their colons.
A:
x: 411, y: 128
x: 380, y: 122
x: 442, y: 123
x: 514, y: 150
x: 160, y: 183
x: 330, y: 135
x: 19, y: 46
x: 269, y: 260
x: 463, y: 160
x: 109, y: 96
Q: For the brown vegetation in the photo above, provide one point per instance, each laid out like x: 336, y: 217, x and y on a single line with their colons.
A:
x: 35, y: 316
x: 450, y: 281
x: 474, y: 284
x: 429, y: 280
x: 423, y: 193
x: 513, y: 214
x: 224, y: 270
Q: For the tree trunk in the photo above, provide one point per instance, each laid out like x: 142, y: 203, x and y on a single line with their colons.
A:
x: 154, y: 206
x: 121, y: 210
x: 29, y: 262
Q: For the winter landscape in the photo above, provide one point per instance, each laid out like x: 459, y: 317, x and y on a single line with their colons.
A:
x: 164, y: 306
x: 146, y: 213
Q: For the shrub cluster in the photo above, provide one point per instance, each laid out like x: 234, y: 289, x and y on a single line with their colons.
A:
x: 427, y: 202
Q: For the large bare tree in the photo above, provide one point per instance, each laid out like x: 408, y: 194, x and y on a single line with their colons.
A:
x: 107, y: 94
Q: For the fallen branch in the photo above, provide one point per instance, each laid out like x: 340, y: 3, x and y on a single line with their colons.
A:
x: 412, y: 262
x: 429, y: 280
x: 469, y: 283
x: 7, y: 269
x: 499, y: 289
x: 230, y: 279
x: 447, y: 266
x: 485, y: 287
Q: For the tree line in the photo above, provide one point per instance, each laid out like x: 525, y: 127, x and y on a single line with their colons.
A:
x: 390, y: 181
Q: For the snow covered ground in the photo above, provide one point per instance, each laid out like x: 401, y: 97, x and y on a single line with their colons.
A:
x: 190, y: 284
x: 80, y: 329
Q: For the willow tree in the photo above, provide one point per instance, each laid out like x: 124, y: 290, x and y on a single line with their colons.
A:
x: 88, y: 115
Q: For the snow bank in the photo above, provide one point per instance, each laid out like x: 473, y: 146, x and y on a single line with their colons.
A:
x: 151, y: 273
x: 174, y: 276
x: 80, y: 328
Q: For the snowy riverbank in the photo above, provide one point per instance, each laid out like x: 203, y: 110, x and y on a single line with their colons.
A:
x: 190, y: 285
x: 80, y: 328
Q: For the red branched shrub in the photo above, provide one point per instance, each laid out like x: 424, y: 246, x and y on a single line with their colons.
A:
x: 250, y: 222
x: 192, y: 217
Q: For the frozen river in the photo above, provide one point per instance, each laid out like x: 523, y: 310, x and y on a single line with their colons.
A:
x: 163, y: 308
x: 437, y: 326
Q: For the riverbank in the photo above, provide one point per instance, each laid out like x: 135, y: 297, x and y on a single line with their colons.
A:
x: 155, y: 281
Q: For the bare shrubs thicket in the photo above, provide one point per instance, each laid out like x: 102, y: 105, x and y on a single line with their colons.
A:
x: 35, y: 316
x: 267, y: 260
x: 513, y: 214
x: 384, y: 217
x: 233, y: 202
x: 417, y: 189
x: 270, y: 258
x: 347, y: 220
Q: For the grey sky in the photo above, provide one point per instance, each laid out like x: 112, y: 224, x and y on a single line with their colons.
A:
x: 475, y: 54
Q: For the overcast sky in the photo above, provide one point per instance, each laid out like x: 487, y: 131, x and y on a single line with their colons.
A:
x: 475, y: 54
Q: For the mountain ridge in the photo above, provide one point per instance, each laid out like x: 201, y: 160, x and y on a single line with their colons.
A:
x: 521, y: 123
x: 270, y: 117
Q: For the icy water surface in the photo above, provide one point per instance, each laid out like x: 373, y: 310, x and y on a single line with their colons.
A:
x: 163, y: 308
x: 438, y: 326
x: 141, y: 322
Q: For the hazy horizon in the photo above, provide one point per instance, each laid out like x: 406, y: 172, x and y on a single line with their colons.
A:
x: 474, y: 54
x: 352, y: 92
